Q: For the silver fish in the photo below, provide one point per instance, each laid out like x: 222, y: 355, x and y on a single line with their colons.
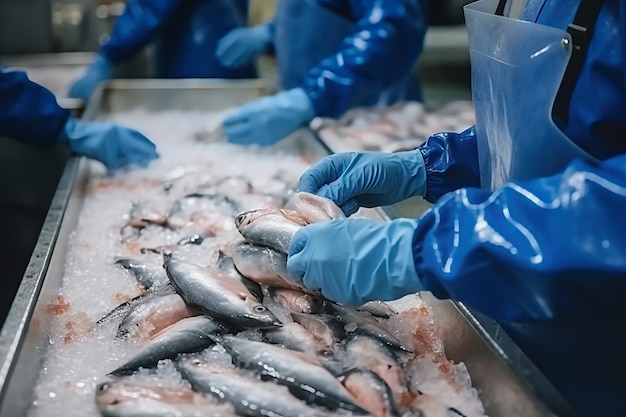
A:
x: 295, y: 337
x: 154, y: 314
x: 221, y: 297
x: 226, y: 265
x: 249, y: 396
x: 263, y: 265
x: 315, y: 209
x: 187, y: 335
x: 149, y: 276
x: 371, y: 391
x: 125, y: 399
x: 303, y: 374
x: 324, y: 327
x: 270, y: 228
x: 378, y: 309
x: 296, y: 301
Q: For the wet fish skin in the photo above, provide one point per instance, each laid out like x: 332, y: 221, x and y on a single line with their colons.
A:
x: 124, y: 308
x: 317, y: 209
x: 378, y: 309
x: 302, y: 374
x: 296, y: 300
x: 371, y: 391
x: 191, y: 240
x: 221, y: 297
x: 262, y: 265
x: 122, y: 398
x: 148, y: 276
x: 295, y: 337
x: 188, y: 335
x: 250, y: 397
x: 227, y: 266
x: 324, y: 327
x: 270, y: 228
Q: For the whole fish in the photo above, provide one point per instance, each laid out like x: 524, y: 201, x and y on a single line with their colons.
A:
x: 149, y: 276
x: 371, y: 391
x: 126, y: 399
x: 315, y: 209
x: 226, y: 265
x: 217, y: 295
x: 270, y: 228
x: 303, y: 374
x: 185, y: 336
x: 262, y: 265
x: 296, y: 301
x: 249, y: 396
x: 154, y: 314
x: 378, y: 309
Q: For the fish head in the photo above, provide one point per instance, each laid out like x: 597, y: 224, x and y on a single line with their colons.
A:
x: 260, y: 315
x: 247, y: 217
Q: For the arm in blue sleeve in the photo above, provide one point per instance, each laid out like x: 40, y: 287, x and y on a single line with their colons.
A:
x: 550, y: 248
x: 451, y: 161
x: 137, y: 26
x: 29, y: 112
x: 383, y: 46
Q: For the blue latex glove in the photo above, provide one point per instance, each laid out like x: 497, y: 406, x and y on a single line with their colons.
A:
x: 242, y: 45
x: 101, y: 69
x: 269, y: 119
x: 114, y: 146
x: 367, y: 179
x: 356, y: 261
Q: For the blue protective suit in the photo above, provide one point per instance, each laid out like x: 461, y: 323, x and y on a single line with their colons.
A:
x: 29, y: 112
x: 546, y: 256
x: 381, y: 48
x: 187, y: 33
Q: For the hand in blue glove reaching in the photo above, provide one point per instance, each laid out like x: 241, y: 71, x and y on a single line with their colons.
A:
x: 366, y: 179
x: 241, y: 46
x: 99, y: 70
x: 267, y: 120
x: 114, y: 146
x: 356, y: 261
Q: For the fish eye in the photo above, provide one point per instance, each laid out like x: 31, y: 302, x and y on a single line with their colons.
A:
x: 196, y: 362
x: 104, y: 386
x: 260, y: 309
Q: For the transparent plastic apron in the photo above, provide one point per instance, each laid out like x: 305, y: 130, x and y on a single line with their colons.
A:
x: 307, y: 33
x: 517, y: 69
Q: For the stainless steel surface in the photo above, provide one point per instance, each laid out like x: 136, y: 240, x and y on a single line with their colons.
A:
x: 23, y: 340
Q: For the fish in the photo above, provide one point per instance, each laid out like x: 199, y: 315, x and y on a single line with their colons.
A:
x: 295, y: 337
x: 123, y: 309
x: 315, y: 209
x: 249, y: 396
x: 217, y: 295
x: 188, y: 335
x: 361, y: 324
x: 302, y: 374
x: 368, y: 353
x: 263, y: 265
x: 127, y: 399
x: 226, y: 265
x: 324, y: 327
x: 191, y: 240
x: 148, y: 276
x: 154, y: 314
x: 183, y: 210
x: 270, y: 228
x: 296, y: 301
x: 378, y: 309
x: 371, y: 391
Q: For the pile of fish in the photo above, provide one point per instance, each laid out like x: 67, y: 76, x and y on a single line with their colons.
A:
x: 403, y: 126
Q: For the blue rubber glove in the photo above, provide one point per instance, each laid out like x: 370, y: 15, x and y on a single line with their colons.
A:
x: 366, y: 179
x: 269, y: 119
x: 101, y: 69
x: 355, y: 261
x: 241, y: 46
x: 114, y: 146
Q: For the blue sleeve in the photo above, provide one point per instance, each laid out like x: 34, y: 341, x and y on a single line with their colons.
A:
x: 137, y: 26
x: 29, y: 112
x: 383, y: 46
x: 451, y: 161
x: 550, y: 248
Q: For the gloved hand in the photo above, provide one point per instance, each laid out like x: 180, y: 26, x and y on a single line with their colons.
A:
x: 355, y: 261
x: 101, y: 69
x: 242, y: 45
x: 269, y: 119
x: 113, y: 145
x: 368, y: 179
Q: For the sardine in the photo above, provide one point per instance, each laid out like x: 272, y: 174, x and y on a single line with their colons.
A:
x: 219, y: 296
x: 249, y: 396
x: 186, y: 336
x: 226, y: 265
x: 262, y: 265
x: 315, y: 209
x: 126, y: 399
x: 149, y: 276
x: 302, y: 374
x: 270, y: 228
x: 371, y: 391
x: 378, y: 309
x: 296, y: 301
x: 154, y: 314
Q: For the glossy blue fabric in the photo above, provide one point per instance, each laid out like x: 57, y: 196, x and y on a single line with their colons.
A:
x: 187, y: 32
x: 383, y: 46
x: 29, y: 112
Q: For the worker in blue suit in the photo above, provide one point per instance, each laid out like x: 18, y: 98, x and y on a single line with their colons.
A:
x: 186, y: 31
x: 30, y: 113
x: 527, y: 221
x: 332, y: 55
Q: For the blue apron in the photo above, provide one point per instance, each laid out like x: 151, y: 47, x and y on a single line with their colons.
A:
x: 186, y: 47
x: 307, y: 33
